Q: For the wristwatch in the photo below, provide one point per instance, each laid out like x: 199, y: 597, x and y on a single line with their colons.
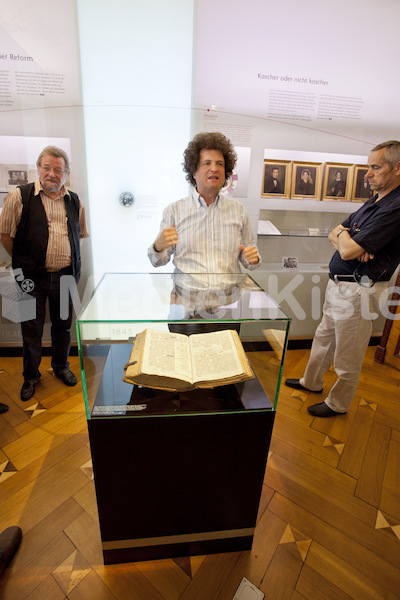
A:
x: 340, y: 231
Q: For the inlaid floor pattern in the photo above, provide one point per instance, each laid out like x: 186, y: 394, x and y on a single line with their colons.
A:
x: 329, y: 517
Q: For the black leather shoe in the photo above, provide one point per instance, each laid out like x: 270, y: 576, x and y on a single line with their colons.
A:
x: 3, y: 408
x: 68, y: 378
x: 295, y: 383
x: 322, y: 410
x: 10, y: 540
x: 27, y: 390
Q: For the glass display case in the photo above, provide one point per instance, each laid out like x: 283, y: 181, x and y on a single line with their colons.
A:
x: 126, y: 304
x: 151, y: 447
x: 296, y: 254
x: 299, y: 234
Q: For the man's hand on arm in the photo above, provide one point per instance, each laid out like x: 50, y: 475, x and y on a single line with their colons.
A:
x: 7, y: 242
x: 348, y: 249
x: 366, y: 256
x: 333, y: 236
x: 250, y: 254
x: 166, y: 238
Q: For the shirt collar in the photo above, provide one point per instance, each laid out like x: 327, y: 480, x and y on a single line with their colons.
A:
x: 200, y: 200
x: 39, y: 188
x: 389, y: 197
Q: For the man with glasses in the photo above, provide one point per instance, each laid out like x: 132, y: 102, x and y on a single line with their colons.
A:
x: 41, y: 226
x: 367, y: 246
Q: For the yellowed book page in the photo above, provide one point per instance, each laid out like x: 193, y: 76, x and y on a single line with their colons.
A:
x: 167, y: 355
x: 133, y: 367
x: 215, y: 355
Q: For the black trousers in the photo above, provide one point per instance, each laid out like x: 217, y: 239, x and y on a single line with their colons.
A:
x: 32, y: 330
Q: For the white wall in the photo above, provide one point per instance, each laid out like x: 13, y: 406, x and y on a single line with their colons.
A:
x: 309, y: 76
x: 40, y: 100
x: 141, y: 77
x: 137, y: 76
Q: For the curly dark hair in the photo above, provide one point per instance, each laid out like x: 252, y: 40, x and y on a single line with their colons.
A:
x: 208, y: 141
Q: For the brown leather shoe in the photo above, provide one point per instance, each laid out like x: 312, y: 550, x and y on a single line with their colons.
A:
x: 10, y: 540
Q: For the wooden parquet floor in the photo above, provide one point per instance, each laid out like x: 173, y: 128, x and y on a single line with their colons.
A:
x: 329, y: 517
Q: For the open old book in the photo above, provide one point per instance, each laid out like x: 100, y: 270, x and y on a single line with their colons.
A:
x: 177, y: 362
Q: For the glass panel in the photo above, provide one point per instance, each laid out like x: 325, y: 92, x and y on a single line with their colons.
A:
x: 124, y: 305
x: 308, y: 255
x: 302, y: 223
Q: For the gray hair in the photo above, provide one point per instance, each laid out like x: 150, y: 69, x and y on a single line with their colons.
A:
x: 57, y: 153
x: 392, y: 151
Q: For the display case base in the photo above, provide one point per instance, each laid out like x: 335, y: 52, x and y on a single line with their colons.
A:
x: 184, y: 483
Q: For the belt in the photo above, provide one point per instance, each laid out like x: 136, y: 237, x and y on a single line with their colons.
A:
x: 63, y: 270
x: 54, y: 275
x: 348, y: 278
x: 352, y: 279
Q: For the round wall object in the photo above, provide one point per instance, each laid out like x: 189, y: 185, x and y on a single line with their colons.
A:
x: 127, y: 199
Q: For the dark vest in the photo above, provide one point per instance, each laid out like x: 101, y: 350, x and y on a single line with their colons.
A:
x: 32, y: 236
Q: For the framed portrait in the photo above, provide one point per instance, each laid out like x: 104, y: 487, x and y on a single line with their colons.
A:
x: 276, y: 178
x: 17, y: 177
x: 361, y: 190
x: 290, y: 262
x: 338, y: 182
x: 306, y: 180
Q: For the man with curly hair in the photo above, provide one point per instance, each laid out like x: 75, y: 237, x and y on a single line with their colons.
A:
x: 206, y: 232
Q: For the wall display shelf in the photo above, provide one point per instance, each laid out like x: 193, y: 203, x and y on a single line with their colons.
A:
x: 178, y: 473
x: 298, y: 284
x: 301, y: 234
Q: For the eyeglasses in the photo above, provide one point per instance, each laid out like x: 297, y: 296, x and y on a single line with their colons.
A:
x: 364, y: 280
x: 56, y: 171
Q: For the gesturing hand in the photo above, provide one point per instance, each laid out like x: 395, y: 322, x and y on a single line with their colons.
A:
x: 249, y: 253
x: 166, y: 238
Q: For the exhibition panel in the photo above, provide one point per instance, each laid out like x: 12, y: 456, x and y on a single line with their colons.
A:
x: 296, y: 254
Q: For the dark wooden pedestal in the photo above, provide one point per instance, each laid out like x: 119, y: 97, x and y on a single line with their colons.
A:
x: 380, y: 351
x: 183, y: 476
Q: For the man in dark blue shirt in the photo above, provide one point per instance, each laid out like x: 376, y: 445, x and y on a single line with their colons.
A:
x: 367, y: 246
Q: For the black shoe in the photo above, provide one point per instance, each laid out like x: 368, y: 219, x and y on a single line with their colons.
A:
x: 3, y: 408
x: 68, y: 378
x: 322, y: 410
x: 10, y: 540
x: 27, y: 390
x: 295, y: 383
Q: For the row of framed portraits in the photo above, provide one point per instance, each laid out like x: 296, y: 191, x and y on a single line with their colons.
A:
x: 319, y: 181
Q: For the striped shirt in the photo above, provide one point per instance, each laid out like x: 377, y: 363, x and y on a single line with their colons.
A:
x: 58, y: 254
x: 208, y: 236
